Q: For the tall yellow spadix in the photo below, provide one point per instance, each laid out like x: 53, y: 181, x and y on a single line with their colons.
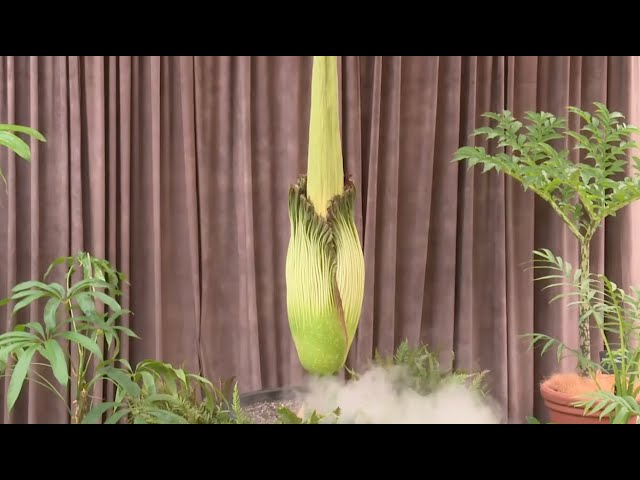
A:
x: 325, y: 262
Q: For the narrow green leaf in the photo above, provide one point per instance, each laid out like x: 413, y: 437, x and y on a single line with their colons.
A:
x: 58, y: 361
x: 621, y: 416
x: 149, y: 382
x: 53, y: 264
x: 180, y: 374
x: 7, y: 127
x: 35, y: 327
x: 19, y: 375
x: 16, y: 144
x: 124, y: 380
x: 50, y: 313
x: 87, y: 283
x: 161, y: 397
x: 25, y: 293
x: 610, y: 408
x: 95, y: 414
x: 547, y: 346
x: 126, y: 331
x: 117, y: 416
x: 200, y: 379
x: 166, y: 417
x: 27, y: 301
x: 87, y: 305
x: 106, y: 299
x: 83, y: 341
x: 53, y: 289
x: 600, y: 405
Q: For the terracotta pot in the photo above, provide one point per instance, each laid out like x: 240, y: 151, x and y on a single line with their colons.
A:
x: 561, y: 411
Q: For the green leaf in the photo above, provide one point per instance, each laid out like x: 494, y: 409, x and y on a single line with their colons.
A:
x: 126, y: 331
x: 286, y: 416
x: 620, y: 417
x: 7, y: 127
x: 16, y: 144
x: 200, y: 379
x: 161, y: 397
x: 53, y: 264
x: 35, y: 326
x: 95, y: 414
x: 83, y: 341
x: 122, y: 379
x: 139, y: 421
x: 87, y: 305
x: 10, y: 337
x: 610, y: 408
x: 27, y: 301
x: 53, y: 289
x: 167, y: 417
x: 149, y: 382
x: 19, y: 375
x: 106, y: 299
x: 58, y: 361
x: 117, y: 416
x: 50, y: 312
x: 180, y: 374
x: 87, y: 283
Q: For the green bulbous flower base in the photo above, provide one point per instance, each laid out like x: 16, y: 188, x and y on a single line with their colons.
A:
x: 325, y: 279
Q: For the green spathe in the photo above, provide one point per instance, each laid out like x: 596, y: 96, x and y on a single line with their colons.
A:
x: 325, y: 262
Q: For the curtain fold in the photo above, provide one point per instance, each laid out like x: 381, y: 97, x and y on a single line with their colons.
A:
x: 176, y: 170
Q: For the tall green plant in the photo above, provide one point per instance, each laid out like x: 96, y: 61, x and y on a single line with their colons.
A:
x: 78, y: 339
x: 582, y: 193
x: 616, y: 315
x: 156, y: 392
x: 81, y: 314
x: 325, y: 262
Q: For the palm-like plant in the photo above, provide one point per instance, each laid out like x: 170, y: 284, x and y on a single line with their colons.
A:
x: 583, y: 193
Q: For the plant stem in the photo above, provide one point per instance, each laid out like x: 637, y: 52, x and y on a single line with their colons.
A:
x: 584, y: 319
x: 81, y: 393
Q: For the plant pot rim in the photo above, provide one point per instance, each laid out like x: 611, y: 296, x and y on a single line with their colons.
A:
x: 560, y: 397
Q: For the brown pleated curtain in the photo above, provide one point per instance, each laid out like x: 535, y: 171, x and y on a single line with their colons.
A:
x: 176, y: 169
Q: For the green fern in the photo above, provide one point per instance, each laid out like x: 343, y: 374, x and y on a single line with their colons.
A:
x: 288, y: 417
x: 240, y: 416
x: 423, y: 372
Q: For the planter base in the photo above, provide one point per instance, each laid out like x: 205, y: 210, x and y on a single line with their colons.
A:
x: 559, y: 403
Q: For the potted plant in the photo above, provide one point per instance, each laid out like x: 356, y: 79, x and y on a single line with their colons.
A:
x: 609, y: 392
x: 583, y: 193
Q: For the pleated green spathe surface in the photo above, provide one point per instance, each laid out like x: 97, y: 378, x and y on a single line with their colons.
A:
x: 325, y: 262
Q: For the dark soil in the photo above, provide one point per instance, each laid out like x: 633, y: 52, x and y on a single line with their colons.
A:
x: 267, y: 412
